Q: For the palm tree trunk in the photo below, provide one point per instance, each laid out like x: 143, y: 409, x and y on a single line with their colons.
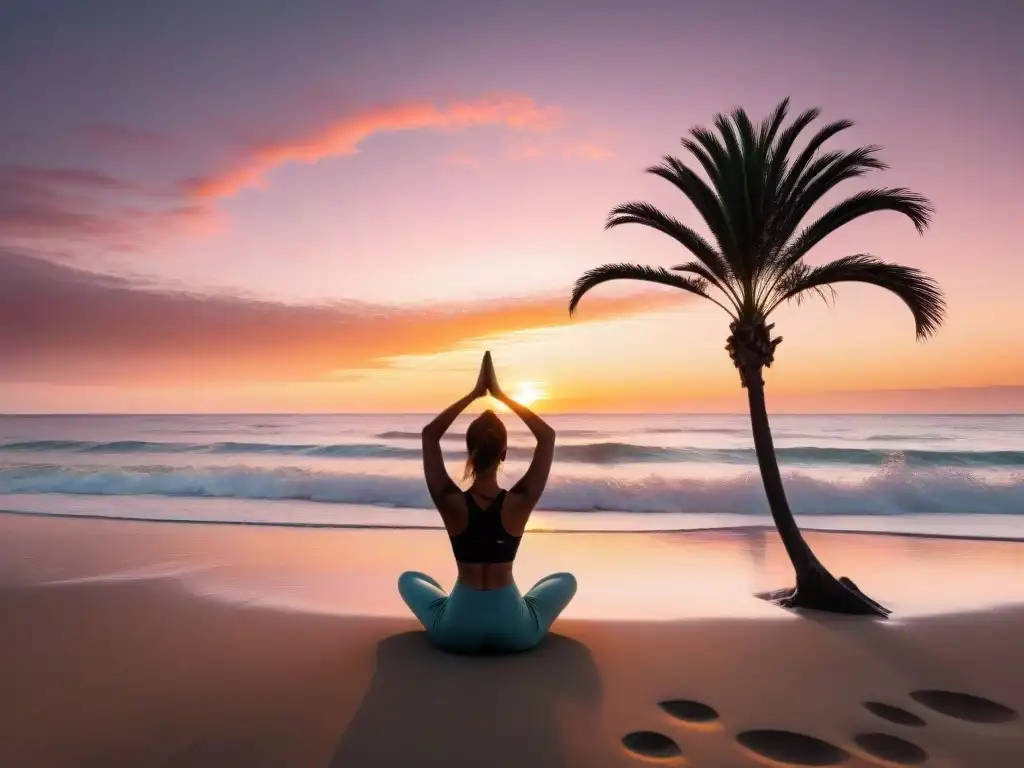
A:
x: 799, y: 553
x: 815, y: 586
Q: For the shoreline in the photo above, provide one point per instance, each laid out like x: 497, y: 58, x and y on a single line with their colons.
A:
x: 758, y: 528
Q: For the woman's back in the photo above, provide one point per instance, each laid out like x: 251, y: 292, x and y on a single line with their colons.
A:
x: 485, y: 549
x: 484, y: 539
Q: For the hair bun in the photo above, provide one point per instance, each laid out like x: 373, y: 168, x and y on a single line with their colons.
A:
x: 486, y: 440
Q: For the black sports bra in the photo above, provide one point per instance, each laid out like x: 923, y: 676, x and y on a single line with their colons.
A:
x: 485, y: 539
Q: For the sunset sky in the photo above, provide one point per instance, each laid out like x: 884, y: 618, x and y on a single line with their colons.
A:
x: 240, y: 205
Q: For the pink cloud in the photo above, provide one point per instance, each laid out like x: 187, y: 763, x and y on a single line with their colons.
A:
x: 37, y: 202
x: 75, y: 203
x: 70, y: 203
x: 516, y: 111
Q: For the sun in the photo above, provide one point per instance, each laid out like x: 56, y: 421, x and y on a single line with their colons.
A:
x: 528, y: 393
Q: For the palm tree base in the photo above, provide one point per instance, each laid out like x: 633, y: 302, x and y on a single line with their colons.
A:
x: 822, y: 592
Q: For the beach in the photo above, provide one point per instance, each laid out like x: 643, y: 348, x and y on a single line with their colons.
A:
x: 173, y: 644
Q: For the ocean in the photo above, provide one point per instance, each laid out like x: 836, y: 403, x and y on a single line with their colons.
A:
x: 955, y: 475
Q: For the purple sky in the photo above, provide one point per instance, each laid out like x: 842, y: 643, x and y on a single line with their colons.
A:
x: 426, y: 159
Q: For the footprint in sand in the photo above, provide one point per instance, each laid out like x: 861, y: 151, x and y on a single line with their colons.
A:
x: 891, y: 749
x: 964, y: 706
x: 895, y: 715
x: 791, y: 747
x: 651, y: 744
x: 689, y: 711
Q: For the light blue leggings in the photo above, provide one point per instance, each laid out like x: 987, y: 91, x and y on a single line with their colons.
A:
x: 493, y: 620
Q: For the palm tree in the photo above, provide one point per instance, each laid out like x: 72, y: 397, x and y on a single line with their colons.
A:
x: 757, y: 194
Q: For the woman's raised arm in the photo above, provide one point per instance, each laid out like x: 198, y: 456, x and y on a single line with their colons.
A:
x: 439, y: 483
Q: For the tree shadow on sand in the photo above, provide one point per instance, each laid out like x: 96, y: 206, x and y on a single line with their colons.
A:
x: 425, y: 707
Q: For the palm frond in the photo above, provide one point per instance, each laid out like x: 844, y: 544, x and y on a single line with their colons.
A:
x: 861, y: 160
x: 650, y: 216
x: 705, y: 160
x: 789, y: 183
x: 899, y: 200
x: 736, y: 199
x: 779, y: 154
x: 717, y: 163
x: 710, y: 143
x: 696, y: 268
x: 824, y: 174
x: 770, y: 125
x: 918, y: 291
x: 769, y: 129
x: 754, y: 160
x: 701, y: 196
x: 777, y: 167
x: 609, y: 272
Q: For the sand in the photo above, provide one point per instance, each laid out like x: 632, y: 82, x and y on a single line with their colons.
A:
x: 150, y: 644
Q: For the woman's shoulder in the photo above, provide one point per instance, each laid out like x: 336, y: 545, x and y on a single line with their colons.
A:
x: 515, y: 511
x: 454, y: 511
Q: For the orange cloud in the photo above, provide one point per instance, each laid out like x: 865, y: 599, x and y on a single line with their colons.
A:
x: 60, y: 324
x: 515, y: 111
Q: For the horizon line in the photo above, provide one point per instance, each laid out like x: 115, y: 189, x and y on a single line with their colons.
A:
x: 4, y: 414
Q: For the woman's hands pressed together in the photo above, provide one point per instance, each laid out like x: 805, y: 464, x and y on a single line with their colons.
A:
x: 492, y: 378
x: 487, y: 380
x: 482, y: 380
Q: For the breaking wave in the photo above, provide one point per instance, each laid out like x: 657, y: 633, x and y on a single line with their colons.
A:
x: 892, y: 491
x: 586, y: 453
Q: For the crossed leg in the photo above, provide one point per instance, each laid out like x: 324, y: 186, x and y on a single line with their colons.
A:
x: 549, y: 597
x: 525, y: 628
x: 424, y: 596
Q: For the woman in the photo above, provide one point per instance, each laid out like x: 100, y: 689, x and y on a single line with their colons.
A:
x: 485, y: 611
